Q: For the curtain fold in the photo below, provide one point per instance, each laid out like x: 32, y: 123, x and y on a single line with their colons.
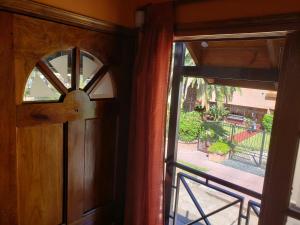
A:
x: 144, y: 201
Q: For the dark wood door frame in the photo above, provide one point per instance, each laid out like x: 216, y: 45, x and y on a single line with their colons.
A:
x: 289, y: 23
x: 280, y: 22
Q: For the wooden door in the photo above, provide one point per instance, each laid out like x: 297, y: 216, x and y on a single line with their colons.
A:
x: 68, y: 121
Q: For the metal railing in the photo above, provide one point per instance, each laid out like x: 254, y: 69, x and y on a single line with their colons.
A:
x: 219, y: 185
x: 255, y: 207
x: 248, y: 145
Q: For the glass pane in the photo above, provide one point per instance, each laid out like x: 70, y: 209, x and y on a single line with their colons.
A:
x: 104, y: 88
x: 61, y: 65
x: 292, y: 221
x: 38, y: 88
x: 89, y: 66
x: 295, y: 196
x: 188, y: 60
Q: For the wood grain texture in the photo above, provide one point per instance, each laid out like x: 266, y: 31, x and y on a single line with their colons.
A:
x: 51, y: 13
x: 100, y: 151
x: 100, y: 216
x: 8, y: 191
x: 40, y: 174
x: 75, y: 170
x: 282, y: 22
x: 76, y: 106
x: 253, y: 53
x: 75, y: 69
x: 35, y: 39
x: 284, y: 138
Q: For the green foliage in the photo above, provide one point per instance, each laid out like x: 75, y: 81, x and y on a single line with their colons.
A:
x: 213, y: 131
x: 204, y: 92
x: 189, y: 126
x: 203, y: 169
x: 267, y: 122
x: 217, y: 113
x: 219, y: 147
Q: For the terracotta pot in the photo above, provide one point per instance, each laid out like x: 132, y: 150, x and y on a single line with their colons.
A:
x: 217, y: 157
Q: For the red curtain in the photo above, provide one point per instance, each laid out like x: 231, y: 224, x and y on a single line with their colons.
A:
x: 144, y: 202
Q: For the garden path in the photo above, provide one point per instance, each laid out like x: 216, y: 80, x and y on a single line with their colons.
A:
x: 198, y: 158
x: 239, y: 137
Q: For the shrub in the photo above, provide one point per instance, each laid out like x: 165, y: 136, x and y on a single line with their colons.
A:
x: 217, y: 113
x: 219, y: 147
x: 189, y: 126
x: 213, y: 131
x: 267, y: 122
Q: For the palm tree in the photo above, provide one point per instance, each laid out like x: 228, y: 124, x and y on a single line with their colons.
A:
x: 198, y: 89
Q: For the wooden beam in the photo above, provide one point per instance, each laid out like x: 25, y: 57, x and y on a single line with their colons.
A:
x: 237, y: 53
x: 272, y: 52
x: 234, y: 73
x: 76, y: 106
x: 195, y: 51
x: 272, y: 86
x: 283, y: 22
x: 233, y: 37
x: 43, y: 11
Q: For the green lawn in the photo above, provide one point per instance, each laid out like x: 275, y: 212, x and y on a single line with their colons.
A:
x: 255, y: 142
x: 202, y: 169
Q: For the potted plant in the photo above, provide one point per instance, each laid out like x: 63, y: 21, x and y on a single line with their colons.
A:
x: 218, y: 151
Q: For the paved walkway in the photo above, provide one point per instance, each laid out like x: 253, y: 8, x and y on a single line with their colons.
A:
x: 188, y: 153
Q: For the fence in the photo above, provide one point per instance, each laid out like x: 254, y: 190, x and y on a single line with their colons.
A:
x: 248, y: 144
x: 237, y: 192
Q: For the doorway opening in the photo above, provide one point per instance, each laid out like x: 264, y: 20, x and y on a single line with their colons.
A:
x: 221, y: 109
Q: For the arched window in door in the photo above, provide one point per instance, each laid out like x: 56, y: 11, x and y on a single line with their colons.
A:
x: 64, y: 71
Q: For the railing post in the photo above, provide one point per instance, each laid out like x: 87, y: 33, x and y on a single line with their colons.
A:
x: 176, y: 200
x: 262, y: 148
x: 231, y: 138
x: 232, y: 132
x: 248, y: 214
x: 241, y: 212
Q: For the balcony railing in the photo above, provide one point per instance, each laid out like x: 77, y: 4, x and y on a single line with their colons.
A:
x: 225, y: 187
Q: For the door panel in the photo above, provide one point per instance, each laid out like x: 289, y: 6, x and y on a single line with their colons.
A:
x: 100, y: 139
x: 40, y: 174
x: 89, y: 154
x: 75, y: 169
